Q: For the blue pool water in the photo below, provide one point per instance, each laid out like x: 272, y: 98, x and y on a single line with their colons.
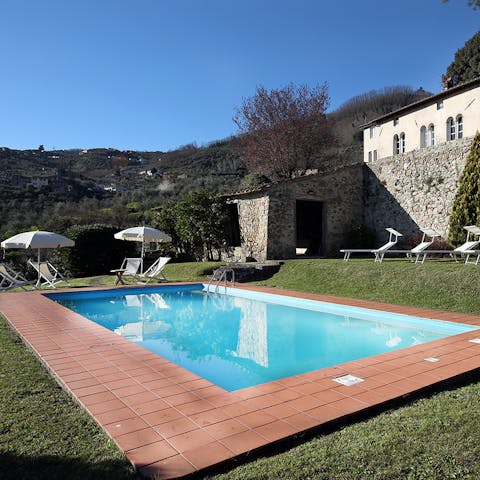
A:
x: 245, y: 338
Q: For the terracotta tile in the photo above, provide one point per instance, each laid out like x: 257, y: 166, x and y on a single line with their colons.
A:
x: 244, y: 442
x: 154, y: 452
x: 98, y: 398
x: 130, y: 390
x: 308, y: 388
x: 125, y: 426
x: 301, y: 421
x: 329, y: 396
x: 181, y: 398
x: 151, y: 406
x: 325, y: 413
x: 162, y: 416
x: 209, y: 417
x: 239, y: 408
x: 207, y: 455
x: 304, y: 403
x: 139, y: 398
x: 286, y: 394
x: 175, y: 427
x: 208, y: 392
x: 223, y: 399
x: 172, y: 467
x: 195, y: 407
x: 84, y: 391
x: 103, y: 407
x: 349, y: 405
x: 256, y: 419
x: 189, y: 440
x: 276, y: 430
x: 369, y: 397
x: 225, y: 429
x: 114, y: 415
x: 137, y: 439
x: 280, y: 411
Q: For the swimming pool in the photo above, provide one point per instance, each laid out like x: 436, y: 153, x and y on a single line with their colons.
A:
x: 242, y: 338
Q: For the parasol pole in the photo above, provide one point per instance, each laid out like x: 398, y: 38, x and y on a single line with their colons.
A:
x: 39, y: 280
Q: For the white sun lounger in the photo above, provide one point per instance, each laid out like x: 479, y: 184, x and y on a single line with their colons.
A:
x: 465, y: 250
x: 155, y: 271
x: 9, y: 278
x: 378, y: 252
x: 47, y: 274
x: 418, y: 253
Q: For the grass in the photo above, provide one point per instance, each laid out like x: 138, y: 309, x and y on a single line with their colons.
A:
x: 44, y: 434
x: 444, y: 285
x: 174, y: 272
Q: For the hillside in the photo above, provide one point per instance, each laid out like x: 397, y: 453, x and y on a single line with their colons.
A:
x: 55, y: 189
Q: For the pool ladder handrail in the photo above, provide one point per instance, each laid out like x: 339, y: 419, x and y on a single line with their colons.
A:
x: 221, y: 273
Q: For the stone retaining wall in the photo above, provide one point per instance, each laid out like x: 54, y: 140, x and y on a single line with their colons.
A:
x: 415, y: 189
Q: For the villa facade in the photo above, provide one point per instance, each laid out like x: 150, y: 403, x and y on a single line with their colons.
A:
x: 448, y: 116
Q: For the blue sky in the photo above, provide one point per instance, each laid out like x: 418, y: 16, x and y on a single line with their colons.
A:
x: 157, y: 74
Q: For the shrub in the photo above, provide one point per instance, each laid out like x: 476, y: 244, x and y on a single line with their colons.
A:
x: 96, y: 251
x: 466, y: 206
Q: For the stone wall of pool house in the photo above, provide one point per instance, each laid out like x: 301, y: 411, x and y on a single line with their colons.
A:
x: 267, y: 217
x: 253, y: 219
x: 413, y: 190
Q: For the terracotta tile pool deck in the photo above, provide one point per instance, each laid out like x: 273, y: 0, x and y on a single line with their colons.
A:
x: 171, y: 422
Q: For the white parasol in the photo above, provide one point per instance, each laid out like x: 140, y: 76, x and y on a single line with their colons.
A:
x: 144, y: 235
x: 37, y: 239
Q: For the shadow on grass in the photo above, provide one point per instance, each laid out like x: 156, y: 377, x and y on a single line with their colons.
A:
x: 17, y: 467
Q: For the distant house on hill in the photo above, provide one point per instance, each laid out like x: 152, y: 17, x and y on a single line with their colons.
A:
x: 447, y: 116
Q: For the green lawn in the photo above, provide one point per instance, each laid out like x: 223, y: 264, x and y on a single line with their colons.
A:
x: 44, y: 434
x: 444, y: 285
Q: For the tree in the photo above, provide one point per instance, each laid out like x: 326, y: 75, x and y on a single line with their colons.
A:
x: 466, y: 206
x: 285, y: 131
x: 197, y: 224
x: 475, y: 4
x: 466, y: 63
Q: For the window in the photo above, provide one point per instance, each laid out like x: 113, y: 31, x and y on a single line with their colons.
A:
x: 396, y: 121
x: 399, y: 144
x: 373, y: 131
x: 423, y: 137
x: 431, y: 135
x: 451, y: 130
x: 374, y: 155
x: 369, y: 156
x: 440, y: 105
x: 402, y: 143
x: 396, y: 145
x: 455, y: 128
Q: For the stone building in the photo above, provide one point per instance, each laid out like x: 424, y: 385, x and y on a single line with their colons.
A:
x: 445, y: 117
x: 414, y: 158
x: 310, y: 215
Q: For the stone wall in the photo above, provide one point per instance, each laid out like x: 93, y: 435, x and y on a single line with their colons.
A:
x: 253, y: 220
x: 340, y: 191
x: 415, y: 189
